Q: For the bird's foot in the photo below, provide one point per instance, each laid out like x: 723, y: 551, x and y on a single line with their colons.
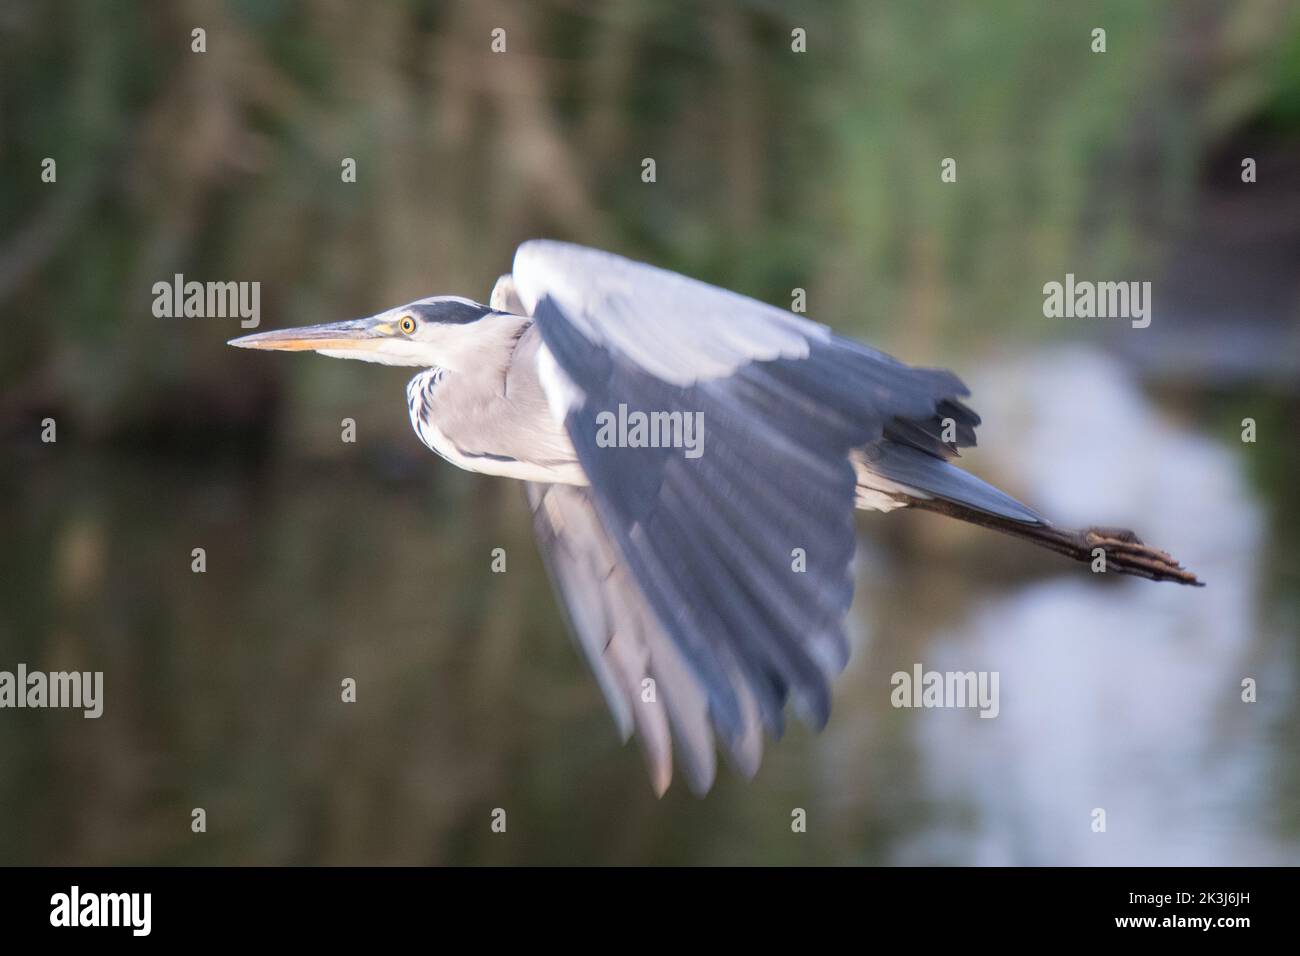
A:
x: 1126, y: 554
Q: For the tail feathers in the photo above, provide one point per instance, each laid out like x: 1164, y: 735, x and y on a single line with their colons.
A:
x: 907, y: 466
x: 934, y: 485
x: 1123, y: 550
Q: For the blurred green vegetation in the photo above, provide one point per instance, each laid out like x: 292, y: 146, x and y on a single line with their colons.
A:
x: 776, y: 170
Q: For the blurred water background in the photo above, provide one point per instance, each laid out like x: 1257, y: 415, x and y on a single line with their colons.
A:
x: 776, y: 170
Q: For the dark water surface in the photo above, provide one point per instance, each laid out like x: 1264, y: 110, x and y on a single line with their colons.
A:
x: 223, y: 688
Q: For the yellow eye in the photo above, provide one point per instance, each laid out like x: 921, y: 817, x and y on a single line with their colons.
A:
x: 407, y: 324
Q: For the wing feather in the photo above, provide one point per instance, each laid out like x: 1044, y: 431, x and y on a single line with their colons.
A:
x: 739, y: 559
x: 621, y: 639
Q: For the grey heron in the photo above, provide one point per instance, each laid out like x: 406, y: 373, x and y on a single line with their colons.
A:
x: 705, y: 591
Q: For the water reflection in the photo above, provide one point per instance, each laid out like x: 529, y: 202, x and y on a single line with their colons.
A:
x: 1118, y: 696
x: 223, y: 688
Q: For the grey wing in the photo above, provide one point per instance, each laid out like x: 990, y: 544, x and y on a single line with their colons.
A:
x: 625, y: 645
x: 743, y: 553
x: 677, y: 329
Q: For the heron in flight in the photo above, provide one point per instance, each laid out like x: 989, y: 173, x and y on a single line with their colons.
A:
x: 706, y: 586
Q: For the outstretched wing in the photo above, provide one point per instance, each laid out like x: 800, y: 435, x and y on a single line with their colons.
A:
x: 624, y: 643
x: 740, y: 548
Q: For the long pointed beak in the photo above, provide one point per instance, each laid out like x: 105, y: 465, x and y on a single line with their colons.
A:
x: 354, y: 334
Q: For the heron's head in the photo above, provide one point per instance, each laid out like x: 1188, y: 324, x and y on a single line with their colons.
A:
x: 444, y: 330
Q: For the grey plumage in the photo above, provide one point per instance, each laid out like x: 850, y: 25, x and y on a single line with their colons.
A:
x: 624, y: 645
x: 704, y: 591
